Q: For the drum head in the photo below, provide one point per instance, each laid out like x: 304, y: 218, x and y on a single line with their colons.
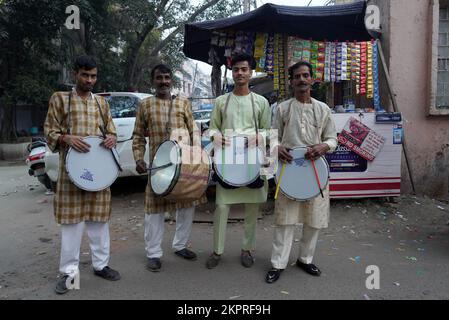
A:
x: 237, y: 165
x: 163, y: 181
x: 95, y: 170
x: 299, y: 181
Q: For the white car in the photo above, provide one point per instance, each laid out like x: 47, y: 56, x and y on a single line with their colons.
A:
x: 123, y: 107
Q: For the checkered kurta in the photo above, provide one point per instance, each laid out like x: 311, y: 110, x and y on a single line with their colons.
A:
x: 71, y: 204
x: 152, y: 118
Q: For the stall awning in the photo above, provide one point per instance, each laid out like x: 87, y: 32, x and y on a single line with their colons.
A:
x: 339, y: 22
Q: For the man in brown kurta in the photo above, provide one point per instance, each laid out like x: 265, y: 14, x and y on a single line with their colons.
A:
x: 72, y: 116
x: 158, y: 117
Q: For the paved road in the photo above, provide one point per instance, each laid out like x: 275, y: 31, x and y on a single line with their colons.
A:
x: 408, y: 241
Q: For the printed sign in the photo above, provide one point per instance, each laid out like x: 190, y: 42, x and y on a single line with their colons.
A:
x: 344, y: 160
x: 361, y: 139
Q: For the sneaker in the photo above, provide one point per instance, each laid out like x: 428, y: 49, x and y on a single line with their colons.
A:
x: 213, y: 261
x: 108, y: 274
x: 61, y: 286
x: 247, y: 259
x: 154, y: 264
x: 186, y: 254
x: 49, y: 192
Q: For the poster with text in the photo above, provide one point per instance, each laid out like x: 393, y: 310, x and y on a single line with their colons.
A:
x: 361, y: 139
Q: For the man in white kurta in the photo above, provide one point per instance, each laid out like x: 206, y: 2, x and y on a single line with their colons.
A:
x: 233, y: 113
x: 301, y: 122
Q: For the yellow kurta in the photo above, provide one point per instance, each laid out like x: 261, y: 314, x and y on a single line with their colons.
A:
x: 300, y: 125
x: 239, y: 118
x: 71, y: 204
x: 152, y: 117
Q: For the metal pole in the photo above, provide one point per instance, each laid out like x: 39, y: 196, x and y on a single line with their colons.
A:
x: 396, y: 109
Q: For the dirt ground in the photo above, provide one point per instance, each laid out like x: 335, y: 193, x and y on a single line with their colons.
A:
x: 407, y: 239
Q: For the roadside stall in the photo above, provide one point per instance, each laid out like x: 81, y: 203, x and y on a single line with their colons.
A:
x: 344, y: 57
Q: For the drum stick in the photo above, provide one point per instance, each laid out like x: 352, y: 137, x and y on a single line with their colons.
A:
x: 279, y: 181
x: 103, y: 132
x: 317, y: 178
x: 160, y: 167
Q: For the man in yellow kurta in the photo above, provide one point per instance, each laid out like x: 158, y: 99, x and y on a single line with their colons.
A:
x: 72, y: 116
x: 234, y: 111
x: 301, y: 121
x: 160, y: 117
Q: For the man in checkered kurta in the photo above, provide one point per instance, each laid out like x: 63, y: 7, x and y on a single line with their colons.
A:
x: 155, y: 119
x: 74, y: 208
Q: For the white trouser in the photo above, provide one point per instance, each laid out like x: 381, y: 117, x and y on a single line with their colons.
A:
x: 154, y: 231
x: 71, y: 236
x: 282, y: 245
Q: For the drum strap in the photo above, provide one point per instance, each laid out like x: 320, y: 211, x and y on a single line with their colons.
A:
x: 168, y: 125
x: 286, y: 123
x: 69, y: 113
x: 253, y: 106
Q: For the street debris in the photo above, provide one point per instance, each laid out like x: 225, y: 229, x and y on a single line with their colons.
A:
x: 235, y: 297
x: 411, y: 258
x: 285, y: 292
x: 366, y: 297
x: 397, y: 284
x: 39, y: 253
x: 441, y: 208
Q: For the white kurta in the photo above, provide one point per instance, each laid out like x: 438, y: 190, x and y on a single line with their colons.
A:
x: 300, y: 125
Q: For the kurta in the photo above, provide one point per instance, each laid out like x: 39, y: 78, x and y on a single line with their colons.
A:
x: 300, y: 125
x: 71, y: 204
x: 152, y: 118
x: 239, y: 118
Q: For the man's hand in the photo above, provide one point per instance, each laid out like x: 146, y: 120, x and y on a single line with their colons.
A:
x: 141, y: 166
x: 219, y: 140
x: 316, y: 151
x: 284, y: 154
x: 77, y: 143
x: 109, y: 142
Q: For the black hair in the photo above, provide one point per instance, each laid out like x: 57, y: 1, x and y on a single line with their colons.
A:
x: 239, y: 57
x: 84, y: 62
x: 163, y: 68
x: 297, y: 66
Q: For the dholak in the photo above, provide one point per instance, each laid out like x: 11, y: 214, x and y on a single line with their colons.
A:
x: 95, y: 170
x: 236, y: 164
x: 184, y: 172
x: 298, y: 180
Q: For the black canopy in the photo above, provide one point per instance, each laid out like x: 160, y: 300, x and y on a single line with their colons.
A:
x: 340, y: 22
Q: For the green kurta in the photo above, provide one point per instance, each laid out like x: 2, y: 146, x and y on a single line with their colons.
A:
x: 239, y: 118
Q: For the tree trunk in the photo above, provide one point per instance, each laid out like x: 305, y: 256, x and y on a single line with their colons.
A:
x: 8, y: 126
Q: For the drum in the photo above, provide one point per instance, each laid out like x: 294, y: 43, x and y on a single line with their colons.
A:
x: 298, y: 180
x: 179, y: 173
x: 95, y: 170
x: 236, y: 164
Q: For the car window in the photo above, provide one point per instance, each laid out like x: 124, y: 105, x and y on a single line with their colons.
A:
x: 123, y: 106
x: 204, y: 115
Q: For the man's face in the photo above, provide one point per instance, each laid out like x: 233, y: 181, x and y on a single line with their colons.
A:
x: 86, y: 79
x: 241, y: 73
x: 301, y: 81
x: 162, y: 83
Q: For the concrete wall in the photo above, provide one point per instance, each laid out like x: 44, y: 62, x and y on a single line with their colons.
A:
x: 410, y: 55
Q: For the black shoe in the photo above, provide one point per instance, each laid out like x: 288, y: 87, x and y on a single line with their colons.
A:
x: 212, y: 261
x: 186, y: 254
x: 273, y: 275
x: 309, y: 268
x: 154, y: 264
x: 246, y: 259
x: 108, y: 274
x: 61, y: 287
